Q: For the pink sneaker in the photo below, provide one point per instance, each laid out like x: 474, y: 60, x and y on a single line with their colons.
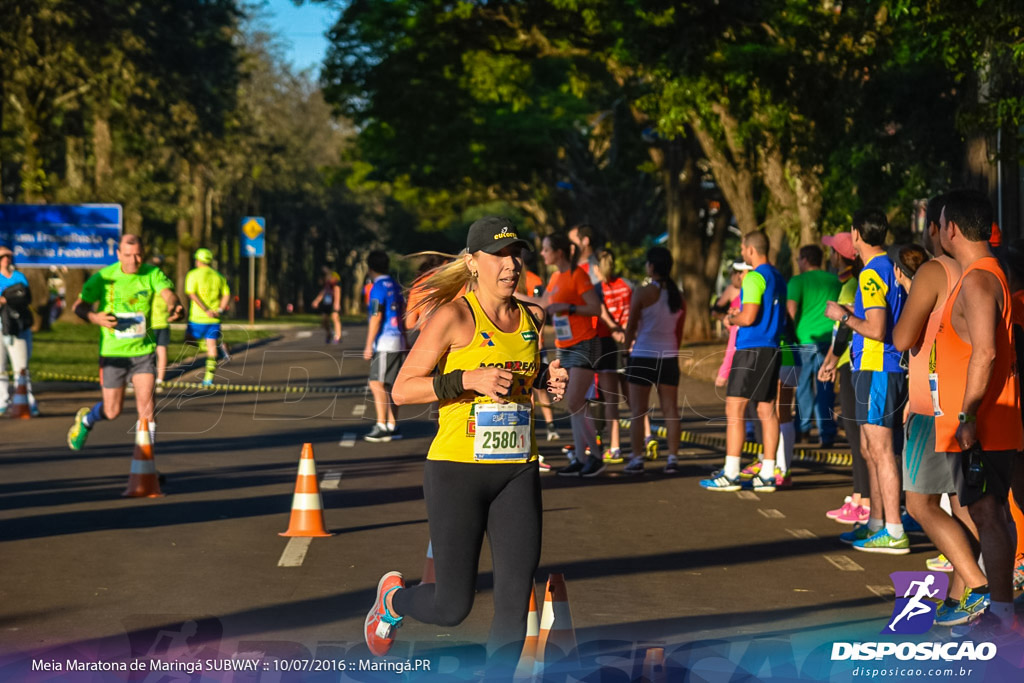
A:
x: 832, y: 514
x: 865, y: 515
x: 853, y: 515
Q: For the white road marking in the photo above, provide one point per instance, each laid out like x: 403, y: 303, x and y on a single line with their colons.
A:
x: 747, y: 495
x: 884, y: 592
x: 801, y: 533
x: 331, y: 480
x: 304, y: 335
x: 844, y: 563
x: 295, y: 552
x: 771, y: 513
x: 348, y: 440
x: 359, y: 409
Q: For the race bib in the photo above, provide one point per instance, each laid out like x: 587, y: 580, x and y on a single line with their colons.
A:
x: 563, y: 331
x: 130, y: 326
x: 502, y: 432
x: 933, y: 388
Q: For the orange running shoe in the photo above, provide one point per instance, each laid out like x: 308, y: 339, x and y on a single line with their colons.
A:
x: 380, y: 626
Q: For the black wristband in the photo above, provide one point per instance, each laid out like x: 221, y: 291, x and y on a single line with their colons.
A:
x: 542, y: 377
x: 448, y: 385
x: 572, y: 309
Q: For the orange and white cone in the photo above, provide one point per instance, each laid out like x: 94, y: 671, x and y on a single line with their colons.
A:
x: 144, y: 480
x: 654, y: 666
x: 528, y: 658
x: 428, y: 565
x: 19, y: 405
x: 307, y: 505
x: 557, y: 639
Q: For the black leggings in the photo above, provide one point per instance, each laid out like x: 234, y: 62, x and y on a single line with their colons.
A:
x: 847, y: 399
x: 463, y: 501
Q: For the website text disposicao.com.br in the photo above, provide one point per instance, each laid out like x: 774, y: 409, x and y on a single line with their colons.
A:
x: 915, y: 660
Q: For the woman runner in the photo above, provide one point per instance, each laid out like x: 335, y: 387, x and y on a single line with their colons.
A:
x: 481, y: 472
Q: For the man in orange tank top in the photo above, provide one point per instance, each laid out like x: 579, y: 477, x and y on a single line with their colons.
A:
x: 926, y: 474
x: 979, y: 421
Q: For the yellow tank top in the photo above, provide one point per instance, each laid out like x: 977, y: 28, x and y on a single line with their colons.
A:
x: 478, y: 430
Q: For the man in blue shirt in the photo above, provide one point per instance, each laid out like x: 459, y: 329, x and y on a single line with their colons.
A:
x: 16, y: 343
x: 754, y: 375
x: 385, y: 345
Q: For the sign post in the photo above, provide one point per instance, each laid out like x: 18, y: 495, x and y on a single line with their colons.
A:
x: 254, y: 246
x: 70, y: 235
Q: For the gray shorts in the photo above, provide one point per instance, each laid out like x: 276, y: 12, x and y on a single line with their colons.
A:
x: 384, y: 366
x: 585, y: 354
x: 924, y: 470
x: 116, y: 371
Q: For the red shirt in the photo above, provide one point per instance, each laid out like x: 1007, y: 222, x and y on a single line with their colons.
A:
x: 617, y: 297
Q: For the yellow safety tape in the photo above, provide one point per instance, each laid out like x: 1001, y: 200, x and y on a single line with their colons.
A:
x: 799, y: 454
x: 237, y: 388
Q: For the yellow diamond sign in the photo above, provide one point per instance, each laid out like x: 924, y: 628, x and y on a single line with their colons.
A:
x: 252, y: 229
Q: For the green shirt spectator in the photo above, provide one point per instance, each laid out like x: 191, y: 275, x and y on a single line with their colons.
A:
x: 811, y: 290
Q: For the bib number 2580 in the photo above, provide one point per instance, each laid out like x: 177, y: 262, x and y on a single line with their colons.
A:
x: 502, y: 432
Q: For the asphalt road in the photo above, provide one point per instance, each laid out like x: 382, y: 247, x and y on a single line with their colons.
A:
x: 732, y: 579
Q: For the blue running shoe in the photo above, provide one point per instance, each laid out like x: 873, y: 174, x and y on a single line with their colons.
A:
x: 766, y: 485
x: 971, y: 606
x: 860, y: 532
x: 910, y: 525
x: 722, y: 483
x: 882, y: 542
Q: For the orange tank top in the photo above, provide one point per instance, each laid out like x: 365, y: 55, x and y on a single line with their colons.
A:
x: 922, y: 358
x: 569, y: 288
x: 999, y: 420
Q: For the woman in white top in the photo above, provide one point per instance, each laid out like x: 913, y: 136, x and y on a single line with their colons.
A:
x: 653, y: 336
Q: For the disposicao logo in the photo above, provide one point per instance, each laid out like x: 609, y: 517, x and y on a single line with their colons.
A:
x: 505, y: 232
x: 917, y: 595
x: 914, y: 612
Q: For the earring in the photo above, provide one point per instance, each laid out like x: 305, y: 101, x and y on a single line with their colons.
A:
x: 473, y: 275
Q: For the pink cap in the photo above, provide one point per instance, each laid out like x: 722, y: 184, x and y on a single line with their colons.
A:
x: 842, y: 242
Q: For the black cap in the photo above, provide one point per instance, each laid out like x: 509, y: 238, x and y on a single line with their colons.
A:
x: 491, y: 234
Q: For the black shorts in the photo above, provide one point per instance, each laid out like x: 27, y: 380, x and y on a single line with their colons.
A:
x: 755, y: 374
x: 325, y: 308
x: 653, y: 371
x: 608, y: 360
x: 997, y: 471
x: 163, y: 336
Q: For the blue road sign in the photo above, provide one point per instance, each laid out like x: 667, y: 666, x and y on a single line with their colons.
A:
x: 254, y: 230
x: 77, y: 236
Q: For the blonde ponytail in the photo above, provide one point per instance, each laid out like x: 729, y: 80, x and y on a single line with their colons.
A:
x: 440, y: 286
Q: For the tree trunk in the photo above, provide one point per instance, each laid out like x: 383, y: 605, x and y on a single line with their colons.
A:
x: 102, y: 147
x: 182, y: 226
x: 732, y: 168
x: 74, y: 278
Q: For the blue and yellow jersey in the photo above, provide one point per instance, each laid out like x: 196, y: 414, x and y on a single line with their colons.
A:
x: 474, y: 429
x: 765, y: 287
x: 877, y: 288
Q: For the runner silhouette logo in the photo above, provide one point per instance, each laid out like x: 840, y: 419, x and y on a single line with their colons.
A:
x: 918, y: 595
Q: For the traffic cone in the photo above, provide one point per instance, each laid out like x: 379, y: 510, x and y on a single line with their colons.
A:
x: 428, y: 565
x: 557, y: 639
x: 143, y: 481
x: 654, y: 666
x: 19, y: 406
x: 528, y: 658
x: 307, y: 505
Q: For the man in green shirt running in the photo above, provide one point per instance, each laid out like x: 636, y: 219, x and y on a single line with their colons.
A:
x: 119, y: 299
x: 807, y: 295
x: 210, y: 296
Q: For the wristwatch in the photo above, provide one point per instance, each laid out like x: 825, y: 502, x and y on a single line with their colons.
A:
x: 846, y: 316
x: 572, y: 309
x: 964, y: 417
